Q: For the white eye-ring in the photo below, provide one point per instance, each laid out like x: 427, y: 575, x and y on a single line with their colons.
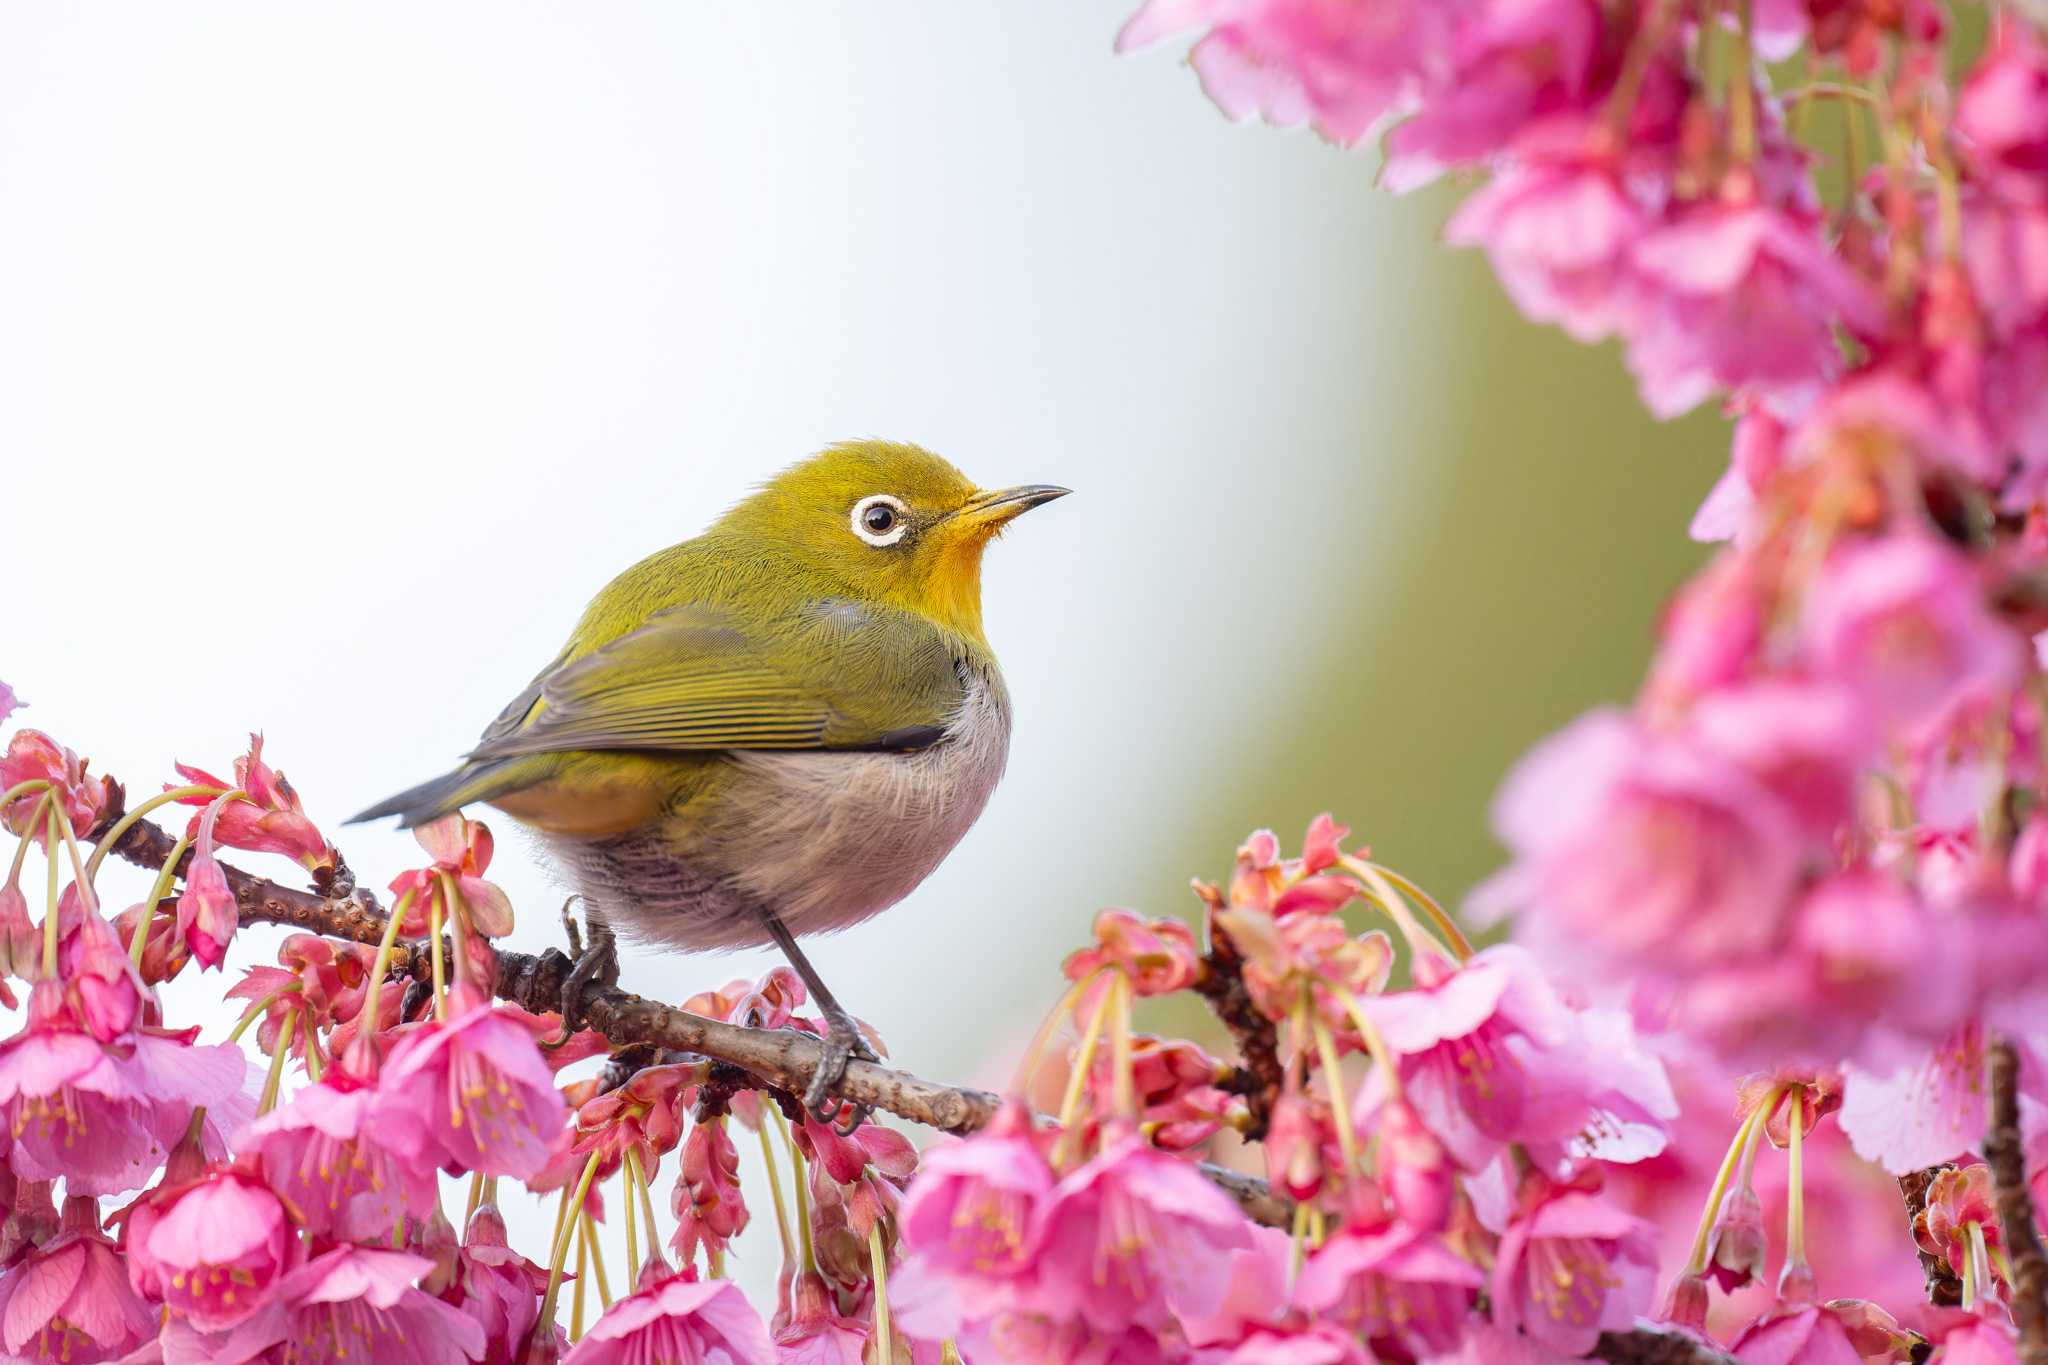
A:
x: 880, y: 519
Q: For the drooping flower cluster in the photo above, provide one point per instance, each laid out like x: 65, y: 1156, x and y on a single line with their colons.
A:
x: 1817, y: 844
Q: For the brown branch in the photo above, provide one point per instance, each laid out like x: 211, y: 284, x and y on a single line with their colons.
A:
x: 1222, y: 985
x: 780, y: 1059
x: 1944, y: 1289
x: 1651, y: 1346
x: 2006, y: 1156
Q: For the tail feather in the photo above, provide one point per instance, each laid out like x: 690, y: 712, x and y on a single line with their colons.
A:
x: 449, y: 792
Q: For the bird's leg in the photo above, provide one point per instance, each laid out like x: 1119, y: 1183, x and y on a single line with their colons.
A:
x: 843, y: 1041
x: 599, y: 962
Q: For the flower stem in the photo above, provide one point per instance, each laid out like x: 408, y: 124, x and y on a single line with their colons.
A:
x: 158, y: 891
x: 1696, y: 1264
x: 799, y: 1183
x: 1795, y: 1177
x: 775, y: 1192
x: 604, y: 1284
x: 576, y: 1295
x: 647, y: 1215
x: 880, y: 1261
x: 50, y: 919
x: 381, y: 964
x: 1333, y: 1078
x: 1125, y: 1079
x: 1370, y: 1036
x: 626, y: 1171
x: 1742, y: 97
x: 275, y: 1080
x: 544, y: 1325
x: 255, y: 1011
x: 127, y: 822
x: 458, y: 924
x: 1077, y: 1076
x: 1448, y: 927
x: 1029, y: 1067
x: 440, y: 983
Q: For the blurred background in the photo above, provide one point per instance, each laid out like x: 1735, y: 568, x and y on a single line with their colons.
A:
x: 345, y: 351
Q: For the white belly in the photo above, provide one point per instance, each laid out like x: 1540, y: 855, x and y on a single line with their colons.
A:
x: 823, y: 839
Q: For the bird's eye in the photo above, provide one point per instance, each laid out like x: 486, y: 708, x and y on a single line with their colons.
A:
x: 880, y: 519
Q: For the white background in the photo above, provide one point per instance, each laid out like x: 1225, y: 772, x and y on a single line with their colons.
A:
x: 346, y: 349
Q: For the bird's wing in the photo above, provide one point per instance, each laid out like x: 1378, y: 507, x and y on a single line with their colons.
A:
x: 841, y: 676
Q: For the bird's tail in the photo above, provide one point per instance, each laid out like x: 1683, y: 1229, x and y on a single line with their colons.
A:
x: 431, y: 800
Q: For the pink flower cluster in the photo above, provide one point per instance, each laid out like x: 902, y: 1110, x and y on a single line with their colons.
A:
x: 308, y: 1225
x: 1817, y: 837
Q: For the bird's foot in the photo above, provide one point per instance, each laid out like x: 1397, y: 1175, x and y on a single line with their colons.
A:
x: 843, y: 1043
x: 598, y: 961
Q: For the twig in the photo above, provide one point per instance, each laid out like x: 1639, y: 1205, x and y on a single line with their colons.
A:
x: 1944, y: 1290
x: 2005, y: 1154
x: 1260, y: 1077
x: 780, y: 1059
x: 1651, y: 1346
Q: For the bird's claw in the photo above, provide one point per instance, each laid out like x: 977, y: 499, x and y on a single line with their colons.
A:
x: 843, y: 1043
x: 598, y: 961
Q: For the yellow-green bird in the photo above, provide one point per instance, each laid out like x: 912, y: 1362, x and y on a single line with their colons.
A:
x: 777, y: 728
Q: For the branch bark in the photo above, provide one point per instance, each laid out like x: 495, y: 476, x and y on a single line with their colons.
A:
x: 2005, y: 1154
x: 1651, y: 1346
x: 1260, y: 1077
x: 780, y: 1059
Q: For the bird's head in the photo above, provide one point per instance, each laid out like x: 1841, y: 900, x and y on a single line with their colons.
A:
x: 889, y: 522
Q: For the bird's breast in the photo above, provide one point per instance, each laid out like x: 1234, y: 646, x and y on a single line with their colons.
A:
x: 829, y: 839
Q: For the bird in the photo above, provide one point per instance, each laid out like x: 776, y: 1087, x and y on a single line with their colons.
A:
x: 776, y: 729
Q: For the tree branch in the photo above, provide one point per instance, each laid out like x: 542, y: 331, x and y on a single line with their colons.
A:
x: 2005, y: 1154
x: 780, y: 1059
x: 1260, y: 1077
x: 1648, y: 1345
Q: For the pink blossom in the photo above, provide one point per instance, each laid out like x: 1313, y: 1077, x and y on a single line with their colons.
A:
x: 1558, y: 231
x: 32, y: 756
x: 1710, y: 635
x: 207, y: 915
x: 98, y: 984
x: 1838, y: 1332
x: 474, y: 1091
x: 1157, y: 956
x: 1392, y: 1285
x: 1294, y: 1143
x: 461, y: 849
x: 21, y: 938
x: 1865, y: 967
x: 9, y: 702
x: 348, y: 1304
x: 975, y: 1212
x: 211, y: 1250
x: 709, y: 1205
x: 1572, y: 1266
x: 1740, y: 296
x: 1335, y: 65
x: 269, y: 819
x: 1922, y: 1113
x: 339, y: 1170
x: 1965, y: 1338
x: 817, y: 1333
x: 1509, y: 62
x: 1903, y: 621
x: 1136, y: 1236
x: 2003, y: 107
x: 1737, y: 1251
x: 104, y: 1118
x: 1957, y: 1200
x: 1490, y: 1055
x: 1316, y: 1343
x: 1806, y: 742
x: 1414, y: 1170
x: 69, y: 1300
x: 677, y: 1318
x: 497, y: 1287
x: 1645, y: 847
x: 1754, y: 458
